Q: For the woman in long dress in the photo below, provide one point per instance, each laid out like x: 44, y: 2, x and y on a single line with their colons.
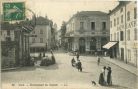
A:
x: 109, y: 78
x: 101, y: 78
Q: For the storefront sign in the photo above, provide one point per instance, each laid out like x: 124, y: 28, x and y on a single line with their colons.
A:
x: 135, y: 45
x: 131, y: 24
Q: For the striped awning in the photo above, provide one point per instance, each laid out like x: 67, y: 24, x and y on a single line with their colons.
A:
x: 109, y: 45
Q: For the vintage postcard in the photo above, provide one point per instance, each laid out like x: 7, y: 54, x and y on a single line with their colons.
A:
x: 68, y: 44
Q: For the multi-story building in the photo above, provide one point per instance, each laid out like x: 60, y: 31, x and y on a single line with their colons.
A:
x: 14, y: 45
x: 87, y: 31
x: 123, y: 31
x: 41, y: 41
x: 8, y: 58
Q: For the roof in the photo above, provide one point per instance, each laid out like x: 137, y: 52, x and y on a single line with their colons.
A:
x: 87, y: 13
x: 38, y: 45
x: 42, y: 21
x: 121, y: 4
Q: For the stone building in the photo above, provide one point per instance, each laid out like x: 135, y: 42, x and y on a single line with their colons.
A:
x: 14, y: 46
x: 123, y: 32
x: 8, y: 47
x: 87, y: 31
x: 41, y: 35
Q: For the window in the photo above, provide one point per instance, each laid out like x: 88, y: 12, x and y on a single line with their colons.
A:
x: 111, y: 24
x: 33, y: 32
x: 121, y: 35
x: 117, y: 36
x: 41, y: 31
x: 117, y: 20
x: 1, y: 32
x: 135, y: 34
x: 73, y: 26
x: 92, y: 25
x: 41, y: 40
x: 81, y: 25
x: 129, y: 54
x: 114, y: 36
x: 103, y: 25
x: 114, y: 22
x: 135, y: 54
x: 128, y: 15
x: 128, y: 34
x: 121, y: 10
x: 33, y: 40
x: 8, y: 38
x: 121, y: 18
x: 8, y: 32
x: 135, y: 13
x: 111, y: 37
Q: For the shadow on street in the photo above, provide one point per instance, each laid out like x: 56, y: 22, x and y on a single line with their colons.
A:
x: 117, y: 87
x: 50, y: 67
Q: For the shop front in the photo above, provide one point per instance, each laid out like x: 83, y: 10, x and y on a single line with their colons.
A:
x: 112, y: 48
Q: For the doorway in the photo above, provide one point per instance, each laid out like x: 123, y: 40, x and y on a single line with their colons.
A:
x: 82, y: 45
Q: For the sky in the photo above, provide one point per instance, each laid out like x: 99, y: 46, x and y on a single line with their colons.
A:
x: 63, y: 10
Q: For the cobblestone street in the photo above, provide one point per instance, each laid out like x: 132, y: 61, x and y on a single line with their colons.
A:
x: 63, y: 74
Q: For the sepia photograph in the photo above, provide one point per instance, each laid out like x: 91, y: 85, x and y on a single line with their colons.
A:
x: 68, y: 44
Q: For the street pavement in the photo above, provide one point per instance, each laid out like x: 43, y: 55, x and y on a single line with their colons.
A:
x: 63, y: 75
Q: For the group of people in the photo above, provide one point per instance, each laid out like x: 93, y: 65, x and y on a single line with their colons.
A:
x: 77, y: 63
x: 105, y: 77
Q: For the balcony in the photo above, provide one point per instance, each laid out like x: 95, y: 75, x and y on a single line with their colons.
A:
x: 93, y: 33
x: 87, y: 33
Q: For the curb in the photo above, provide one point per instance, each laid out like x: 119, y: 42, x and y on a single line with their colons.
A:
x: 121, y: 67
x: 7, y: 69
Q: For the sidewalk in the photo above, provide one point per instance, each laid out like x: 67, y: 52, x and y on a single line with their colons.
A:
x: 123, y: 65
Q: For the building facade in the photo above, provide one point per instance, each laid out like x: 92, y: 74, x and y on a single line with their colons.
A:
x: 41, y: 36
x: 58, y: 37
x: 123, y: 29
x: 87, y: 31
x: 14, y: 45
x: 8, y: 48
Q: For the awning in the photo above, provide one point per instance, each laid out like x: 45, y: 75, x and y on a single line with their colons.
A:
x: 109, y: 45
x: 38, y: 45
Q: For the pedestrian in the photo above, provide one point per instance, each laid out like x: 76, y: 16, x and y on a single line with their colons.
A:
x: 109, y: 77
x: 101, y: 78
x: 77, y: 55
x: 98, y: 61
x: 95, y: 53
x: 73, y: 61
x: 105, y: 74
x: 105, y: 53
x: 51, y: 51
x: 79, y: 65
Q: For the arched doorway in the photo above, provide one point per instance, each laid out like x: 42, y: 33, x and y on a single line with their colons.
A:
x: 81, y: 45
x: 93, y: 44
